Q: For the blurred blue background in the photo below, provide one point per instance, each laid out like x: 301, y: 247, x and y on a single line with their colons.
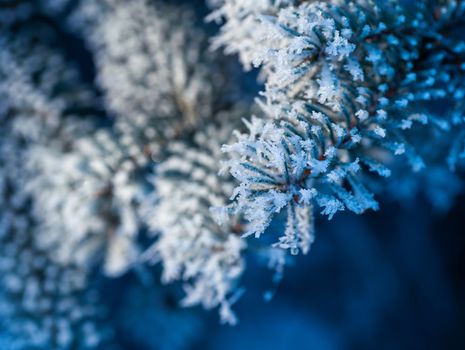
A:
x: 386, y: 280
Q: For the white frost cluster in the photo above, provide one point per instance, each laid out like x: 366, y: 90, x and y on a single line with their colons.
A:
x: 99, y: 211
x: 153, y: 64
x: 162, y: 84
x: 190, y: 244
x: 241, y: 33
x: 38, y: 94
x: 347, y: 90
x: 43, y: 304
x: 32, y: 106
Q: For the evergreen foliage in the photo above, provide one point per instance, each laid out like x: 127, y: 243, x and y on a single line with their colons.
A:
x: 155, y: 152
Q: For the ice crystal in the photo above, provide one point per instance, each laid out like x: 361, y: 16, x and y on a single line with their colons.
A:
x: 346, y: 84
x: 191, y: 244
x: 159, y: 79
x: 99, y: 212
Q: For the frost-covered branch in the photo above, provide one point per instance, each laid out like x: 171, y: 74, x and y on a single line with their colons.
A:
x: 103, y: 186
x: 350, y: 85
x: 43, y: 304
x: 184, y: 213
x: 158, y: 77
